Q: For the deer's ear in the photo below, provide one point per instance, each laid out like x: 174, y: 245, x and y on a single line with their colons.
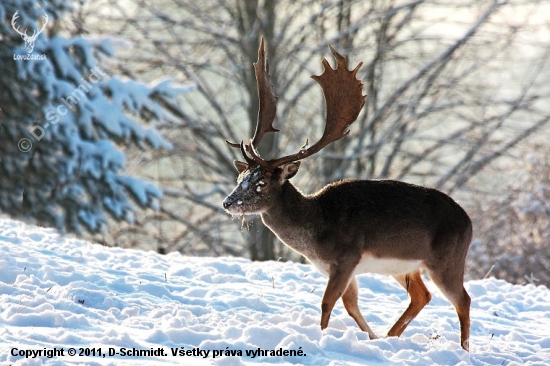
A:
x: 290, y: 170
x: 241, y: 167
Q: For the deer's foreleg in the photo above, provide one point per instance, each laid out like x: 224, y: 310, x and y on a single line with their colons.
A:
x: 337, y: 284
x: 350, y: 299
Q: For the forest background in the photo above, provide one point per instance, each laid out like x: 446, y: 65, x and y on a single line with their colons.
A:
x: 458, y: 99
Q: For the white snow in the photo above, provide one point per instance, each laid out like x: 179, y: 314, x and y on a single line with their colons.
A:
x: 59, y: 292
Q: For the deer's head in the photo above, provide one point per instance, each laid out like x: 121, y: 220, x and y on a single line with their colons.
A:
x: 260, y: 180
x: 29, y: 40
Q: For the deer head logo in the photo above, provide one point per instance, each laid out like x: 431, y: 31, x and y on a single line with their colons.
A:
x: 29, y: 40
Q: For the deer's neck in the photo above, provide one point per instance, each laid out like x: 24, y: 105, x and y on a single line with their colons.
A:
x: 294, y: 218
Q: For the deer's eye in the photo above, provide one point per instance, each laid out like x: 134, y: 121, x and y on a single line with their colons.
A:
x: 260, y: 185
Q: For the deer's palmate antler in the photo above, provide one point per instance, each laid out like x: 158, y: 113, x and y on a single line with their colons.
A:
x: 343, y: 97
x: 353, y: 226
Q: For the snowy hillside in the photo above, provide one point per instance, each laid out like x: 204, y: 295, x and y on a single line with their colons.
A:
x: 66, y: 294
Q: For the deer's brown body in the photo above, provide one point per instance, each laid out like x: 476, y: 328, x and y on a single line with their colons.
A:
x: 355, y: 226
x: 378, y: 218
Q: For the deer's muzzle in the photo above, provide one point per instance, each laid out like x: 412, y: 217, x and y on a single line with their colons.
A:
x: 228, y: 201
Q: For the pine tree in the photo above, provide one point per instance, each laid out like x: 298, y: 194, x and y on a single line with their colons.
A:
x: 64, y: 122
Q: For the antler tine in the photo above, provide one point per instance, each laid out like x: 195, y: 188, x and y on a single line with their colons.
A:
x: 233, y: 144
x: 344, y: 100
x: 249, y: 161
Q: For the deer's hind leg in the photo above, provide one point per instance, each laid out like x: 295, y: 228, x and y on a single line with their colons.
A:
x: 420, y: 296
x: 452, y: 286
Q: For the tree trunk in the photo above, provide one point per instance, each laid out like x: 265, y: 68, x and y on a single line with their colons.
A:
x: 254, y: 23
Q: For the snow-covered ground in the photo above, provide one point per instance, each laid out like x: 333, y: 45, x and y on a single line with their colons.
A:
x: 63, y: 293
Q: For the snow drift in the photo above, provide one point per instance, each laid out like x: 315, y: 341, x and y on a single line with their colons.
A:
x: 117, y: 306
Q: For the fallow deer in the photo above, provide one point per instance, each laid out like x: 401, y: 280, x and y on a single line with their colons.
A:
x: 354, y: 226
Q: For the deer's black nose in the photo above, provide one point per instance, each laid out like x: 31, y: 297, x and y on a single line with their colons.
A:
x: 228, y: 202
